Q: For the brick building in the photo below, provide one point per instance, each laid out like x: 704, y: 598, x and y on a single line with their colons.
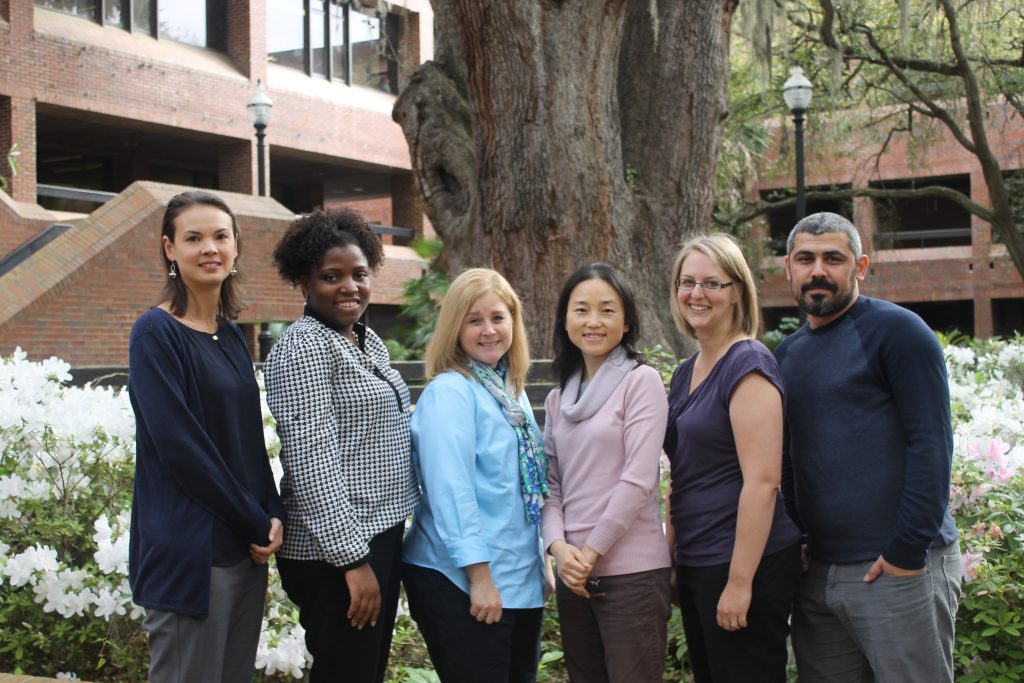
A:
x: 115, y: 105
x: 929, y: 255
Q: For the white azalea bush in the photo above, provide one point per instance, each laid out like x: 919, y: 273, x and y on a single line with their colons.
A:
x: 987, y: 496
x: 66, y: 465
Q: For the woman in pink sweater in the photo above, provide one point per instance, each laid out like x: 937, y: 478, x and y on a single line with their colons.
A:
x: 603, y: 436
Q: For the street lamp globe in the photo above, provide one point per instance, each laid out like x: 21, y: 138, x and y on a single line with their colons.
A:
x: 259, y: 107
x: 797, y: 90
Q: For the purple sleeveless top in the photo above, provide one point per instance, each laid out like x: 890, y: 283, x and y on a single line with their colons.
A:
x: 706, y: 476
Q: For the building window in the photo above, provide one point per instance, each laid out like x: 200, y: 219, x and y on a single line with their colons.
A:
x: 339, y: 36
x: 915, y: 222
x: 197, y: 22
x: 781, y: 221
x: 142, y: 17
x: 286, y: 33
x: 948, y: 317
x: 334, y: 40
x: 80, y: 8
x: 115, y: 13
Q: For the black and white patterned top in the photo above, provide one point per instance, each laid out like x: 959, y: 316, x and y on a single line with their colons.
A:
x: 343, y: 417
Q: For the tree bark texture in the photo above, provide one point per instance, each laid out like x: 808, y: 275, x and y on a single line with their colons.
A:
x: 547, y: 134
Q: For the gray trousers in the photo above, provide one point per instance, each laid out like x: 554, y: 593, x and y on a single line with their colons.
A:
x: 893, y: 630
x: 221, y: 647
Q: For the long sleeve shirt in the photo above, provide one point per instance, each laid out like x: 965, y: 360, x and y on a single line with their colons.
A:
x: 203, y: 486
x: 343, y: 417
x: 603, y: 473
x: 472, y: 511
x: 868, y: 436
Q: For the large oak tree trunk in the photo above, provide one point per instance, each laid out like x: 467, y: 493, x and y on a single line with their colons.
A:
x: 547, y: 134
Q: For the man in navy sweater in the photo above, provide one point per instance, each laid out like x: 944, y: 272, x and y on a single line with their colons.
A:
x: 866, y: 473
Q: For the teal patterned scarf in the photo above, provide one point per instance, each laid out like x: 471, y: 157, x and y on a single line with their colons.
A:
x: 533, y: 461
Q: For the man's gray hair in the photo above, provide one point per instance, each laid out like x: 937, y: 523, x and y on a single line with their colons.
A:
x: 825, y: 223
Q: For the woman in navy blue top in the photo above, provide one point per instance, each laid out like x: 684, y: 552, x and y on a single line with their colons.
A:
x: 736, y: 553
x: 206, y: 515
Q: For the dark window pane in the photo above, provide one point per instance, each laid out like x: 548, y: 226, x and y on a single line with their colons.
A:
x: 317, y: 33
x: 393, y: 35
x: 217, y: 25
x: 369, y: 51
x: 184, y: 21
x: 781, y: 221
x: 115, y: 13
x: 286, y: 33
x: 142, y: 20
x: 339, y: 48
x: 88, y: 9
x: 915, y: 222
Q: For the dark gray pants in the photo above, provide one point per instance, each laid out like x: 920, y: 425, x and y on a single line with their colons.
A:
x: 618, y: 635
x: 221, y: 647
x: 897, y: 629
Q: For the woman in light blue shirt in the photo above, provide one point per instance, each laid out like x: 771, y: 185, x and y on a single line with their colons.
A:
x: 473, y: 568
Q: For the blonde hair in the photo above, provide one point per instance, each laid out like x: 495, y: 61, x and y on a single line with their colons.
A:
x: 724, y: 251
x: 444, y: 352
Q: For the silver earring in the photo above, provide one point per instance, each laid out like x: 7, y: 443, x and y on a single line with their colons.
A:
x: 234, y: 269
x: 173, y: 274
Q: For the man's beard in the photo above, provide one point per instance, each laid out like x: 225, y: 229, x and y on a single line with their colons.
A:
x: 821, y: 305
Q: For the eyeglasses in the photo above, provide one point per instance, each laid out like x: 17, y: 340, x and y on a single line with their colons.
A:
x: 688, y: 283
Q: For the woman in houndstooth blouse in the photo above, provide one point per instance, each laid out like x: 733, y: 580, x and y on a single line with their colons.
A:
x: 343, y: 417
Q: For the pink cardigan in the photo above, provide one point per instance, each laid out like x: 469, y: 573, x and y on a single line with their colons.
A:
x: 603, y: 471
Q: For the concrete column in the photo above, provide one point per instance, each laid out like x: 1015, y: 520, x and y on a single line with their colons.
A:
x: 18, y: 125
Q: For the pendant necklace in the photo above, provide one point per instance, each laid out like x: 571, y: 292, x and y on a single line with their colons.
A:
x: 203, y: 326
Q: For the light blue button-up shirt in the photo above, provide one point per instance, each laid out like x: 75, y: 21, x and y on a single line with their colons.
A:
x: 467, y: 459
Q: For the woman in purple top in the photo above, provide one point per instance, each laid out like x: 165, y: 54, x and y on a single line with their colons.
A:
x: 603, y: 436
x: 737, y: 554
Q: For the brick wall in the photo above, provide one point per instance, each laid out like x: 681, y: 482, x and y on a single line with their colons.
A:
x: 78, y: 297
x: 236, y: 167
x: 372, y: 209
x: 18, y: 126
x: 19, y: 222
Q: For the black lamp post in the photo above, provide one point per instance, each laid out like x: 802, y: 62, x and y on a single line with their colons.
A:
x: 259, y: 108
x: 797, y: 93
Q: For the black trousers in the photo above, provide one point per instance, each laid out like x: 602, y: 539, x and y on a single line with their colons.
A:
x: 755, y: 653
x: 463, y: 649
x: 340, y: 651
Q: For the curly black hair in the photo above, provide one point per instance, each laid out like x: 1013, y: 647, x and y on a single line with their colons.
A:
x: 304, y: 243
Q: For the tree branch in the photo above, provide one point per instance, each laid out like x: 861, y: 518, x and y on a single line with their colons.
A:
x: 937, y: 111
x: 761, y: 208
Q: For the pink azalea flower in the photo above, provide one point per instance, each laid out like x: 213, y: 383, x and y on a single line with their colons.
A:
x: 969, y: 564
